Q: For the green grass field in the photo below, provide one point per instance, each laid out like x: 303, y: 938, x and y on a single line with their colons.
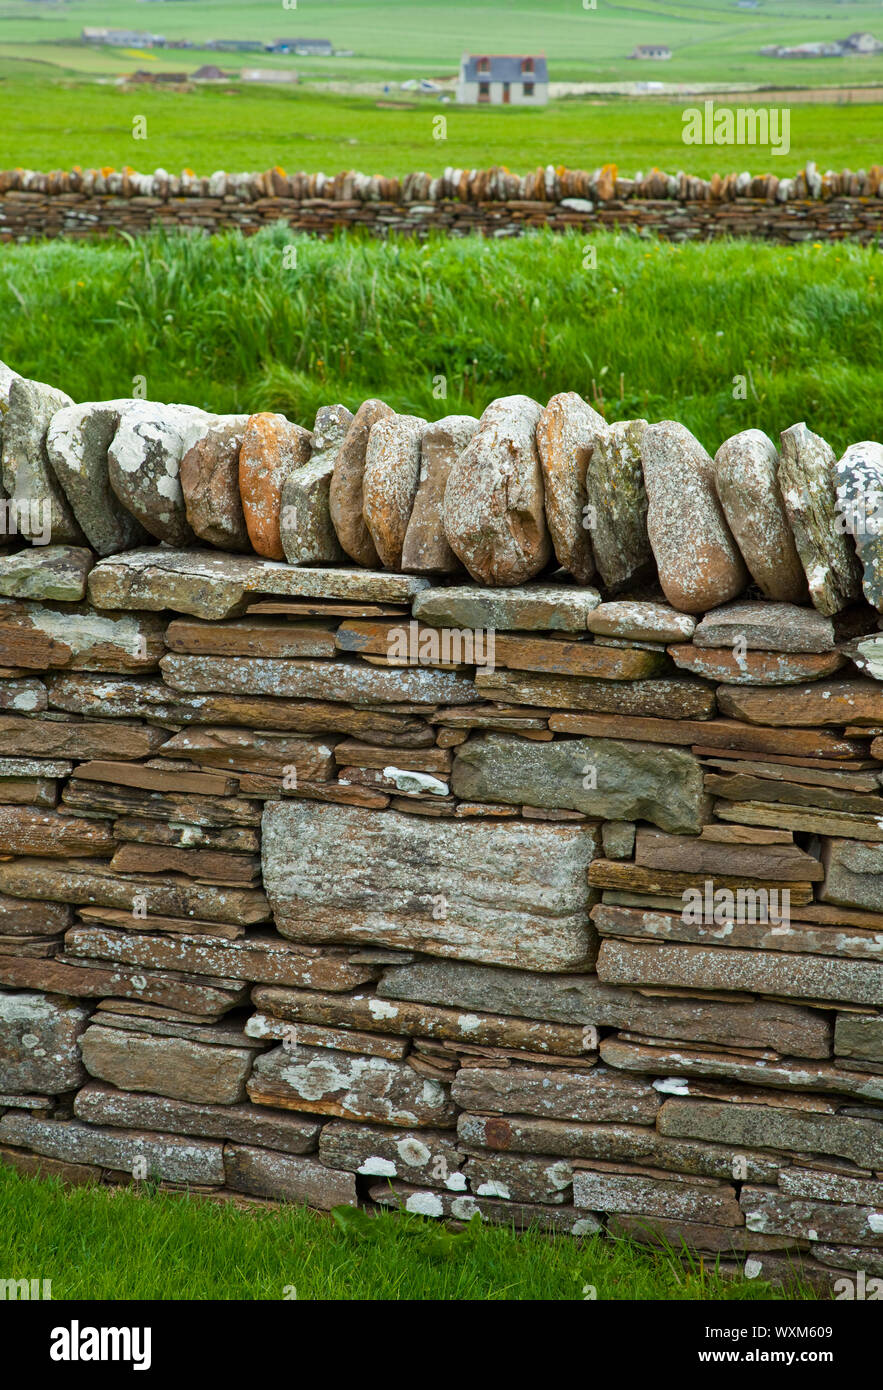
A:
x: 118, y: 1243
x: 654, y: 330
x: 711, y: 40
x: 55, y: 125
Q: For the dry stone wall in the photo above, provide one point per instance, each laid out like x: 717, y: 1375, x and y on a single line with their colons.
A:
x: 458, y: 816
x: 808, y: 205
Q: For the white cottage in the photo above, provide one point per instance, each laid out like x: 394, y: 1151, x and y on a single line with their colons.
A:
x: 503, y: 79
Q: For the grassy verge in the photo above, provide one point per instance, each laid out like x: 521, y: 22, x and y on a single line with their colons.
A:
x: 654, y: 330
x: 117, y: 1243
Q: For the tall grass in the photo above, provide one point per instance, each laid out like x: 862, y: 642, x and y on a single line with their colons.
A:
x: 443, y: 326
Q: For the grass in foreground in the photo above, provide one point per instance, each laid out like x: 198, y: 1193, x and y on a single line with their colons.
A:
x: 109, y: 1244
x: 653, y: 330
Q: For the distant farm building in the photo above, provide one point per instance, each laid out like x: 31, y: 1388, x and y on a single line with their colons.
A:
x: 857, y: 44
x: 503, y: 79
x: 123, y: 38
x: 209, y: 73
x: 288, y: 78
x: 651, y: 50
x: 234, y: 45
x: 315, y: 48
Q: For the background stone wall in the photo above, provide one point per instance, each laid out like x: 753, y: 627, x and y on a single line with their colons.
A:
x: 494, y: 202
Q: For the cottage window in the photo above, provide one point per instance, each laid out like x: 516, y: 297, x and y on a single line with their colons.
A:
x: 484, y: 91
x: 484, y: 65
x: 528, y: 89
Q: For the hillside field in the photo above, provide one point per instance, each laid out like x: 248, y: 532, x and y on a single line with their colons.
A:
x: 711, y: 40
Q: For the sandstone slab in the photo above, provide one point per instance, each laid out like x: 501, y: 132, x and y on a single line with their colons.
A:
x: 100, y: 1104
x: 272, y: 449
x: 209, y: 473
x: 807, y: 481
x: 551, y: 607
x: 590, y: 1097
x: 771, y: 627
x: 346, y: 493
x: 525, y: 905
x: 46, y: 572
x: 425, y: 549
x: 286, y: 1177
x: 567, y: 435
x: 641, y: 621
x: 746, y: 480
x: 389, y: 483
x: 699, y: 562
x: 322, y: 1081
x: 493, y: 510
x: 173, y: 1067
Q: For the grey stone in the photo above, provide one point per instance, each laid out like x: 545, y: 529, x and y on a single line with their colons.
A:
x: 806, y: 478
x: 568, y: 432
x: 352, y: 681
x: 768, y: 1126
x: 306, y: 528
x: 600, y: 777
x: 859, y: 482
x: 584, y: 1000
x: 853, y: 874
x: 143, y: 464
x: 617, y: 506
x: 715, y: 1203
x: 28, y: 477
x: 38, y: 1041
x: 544, y: 607
x: 77, y: 442
x: 345, y: 495
x: 768, y: 1211
x: 168, y: 1158
x: 46, y: 572
x: 98, y: 1104
x: 770, y: 627
x: 373, y: 1151
x: 555, y: 1093
x: 722, y: 968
